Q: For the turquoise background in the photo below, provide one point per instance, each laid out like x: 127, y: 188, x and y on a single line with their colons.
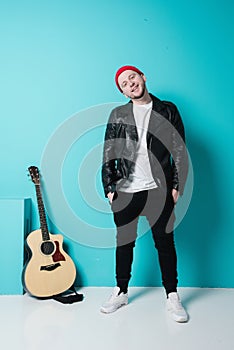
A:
x: 59, y: 58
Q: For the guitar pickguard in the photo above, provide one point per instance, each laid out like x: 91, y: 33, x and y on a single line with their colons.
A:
x: 57, y: 256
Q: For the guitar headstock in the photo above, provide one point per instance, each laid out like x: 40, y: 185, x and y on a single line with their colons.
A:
x: 34, y: 173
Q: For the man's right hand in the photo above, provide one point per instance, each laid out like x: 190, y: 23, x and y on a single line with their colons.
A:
x: 110, y: 196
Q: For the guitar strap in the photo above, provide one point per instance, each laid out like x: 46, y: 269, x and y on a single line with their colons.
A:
x: 67, y: 297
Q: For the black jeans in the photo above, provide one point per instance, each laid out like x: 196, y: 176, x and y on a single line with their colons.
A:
x: 158, y: 207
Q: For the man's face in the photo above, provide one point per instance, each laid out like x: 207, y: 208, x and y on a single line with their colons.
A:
x: 132, y: 84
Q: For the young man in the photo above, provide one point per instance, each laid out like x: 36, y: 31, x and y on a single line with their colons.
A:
x: 144, y: 172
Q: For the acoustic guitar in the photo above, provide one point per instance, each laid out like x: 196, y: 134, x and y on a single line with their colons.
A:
x: 49, y: 270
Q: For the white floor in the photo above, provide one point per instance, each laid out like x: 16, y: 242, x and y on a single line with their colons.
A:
x: 31, y: 324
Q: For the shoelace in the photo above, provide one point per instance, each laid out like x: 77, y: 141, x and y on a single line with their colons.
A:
x: 176, y: 303
x: 112, y: 296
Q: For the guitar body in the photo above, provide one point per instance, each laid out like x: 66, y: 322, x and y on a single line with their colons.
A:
x: 50, y: 270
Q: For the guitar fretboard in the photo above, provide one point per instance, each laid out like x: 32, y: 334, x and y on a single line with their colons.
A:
x: 41, y: 209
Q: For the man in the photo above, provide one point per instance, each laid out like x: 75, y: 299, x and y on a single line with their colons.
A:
x: 144, y: 172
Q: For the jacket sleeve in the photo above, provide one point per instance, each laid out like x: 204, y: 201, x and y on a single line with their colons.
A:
x: 179, y: 150
x: 109, y: 156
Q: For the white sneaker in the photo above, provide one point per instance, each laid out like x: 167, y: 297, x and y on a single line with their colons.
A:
x: 115, y: 301
x: 175, y: 308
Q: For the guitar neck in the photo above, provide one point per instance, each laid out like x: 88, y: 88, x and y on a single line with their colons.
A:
x: 42, y: 215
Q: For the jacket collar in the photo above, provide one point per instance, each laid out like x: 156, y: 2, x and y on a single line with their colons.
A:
x: 158, y: 105
x: 126, y: 110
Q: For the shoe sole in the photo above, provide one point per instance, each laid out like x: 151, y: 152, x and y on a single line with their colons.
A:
x: 183, y: 320
x: 109, y: 311
x: 177, y: 319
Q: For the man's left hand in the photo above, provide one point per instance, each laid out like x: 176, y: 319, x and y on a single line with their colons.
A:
x: 175, y: 195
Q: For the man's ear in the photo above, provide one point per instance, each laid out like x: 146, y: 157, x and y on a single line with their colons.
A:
x: 143, y: 77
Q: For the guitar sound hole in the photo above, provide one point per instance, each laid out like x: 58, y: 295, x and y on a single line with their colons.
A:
x: 47, y: 247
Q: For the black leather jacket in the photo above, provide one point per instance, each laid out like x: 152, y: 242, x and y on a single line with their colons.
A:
x: 165, y: 143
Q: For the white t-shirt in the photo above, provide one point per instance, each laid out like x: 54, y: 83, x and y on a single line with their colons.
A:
x: 141, y: 176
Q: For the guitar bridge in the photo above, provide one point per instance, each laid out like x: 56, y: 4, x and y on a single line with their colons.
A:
x: 50, y: 267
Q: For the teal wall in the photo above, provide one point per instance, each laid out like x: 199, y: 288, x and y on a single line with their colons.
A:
x: 58, y: 59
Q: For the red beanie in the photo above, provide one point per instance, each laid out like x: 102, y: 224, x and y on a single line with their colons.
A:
x: 121, y: 70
